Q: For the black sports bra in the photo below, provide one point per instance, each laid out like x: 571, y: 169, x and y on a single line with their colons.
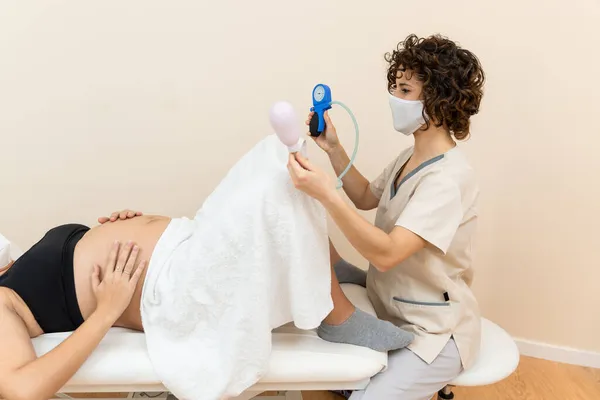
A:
x: 44, y: 279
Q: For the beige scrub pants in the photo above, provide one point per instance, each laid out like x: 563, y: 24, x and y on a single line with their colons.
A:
x: 408, y: 377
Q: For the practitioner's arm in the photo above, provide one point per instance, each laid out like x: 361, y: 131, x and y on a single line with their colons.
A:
x: 120, y: 215
x: 25, y: 377
x: 383, y: 250
x: 356, y: 185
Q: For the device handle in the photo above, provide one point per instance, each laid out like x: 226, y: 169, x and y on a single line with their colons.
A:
x: 316, y: 127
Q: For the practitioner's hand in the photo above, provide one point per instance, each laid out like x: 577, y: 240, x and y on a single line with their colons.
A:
x: 310, y: 179
x: 115, y: 288
x: 328, y: 140
x: 125, y: 214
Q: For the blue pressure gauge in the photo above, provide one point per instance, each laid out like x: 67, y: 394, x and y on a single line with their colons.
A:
x: 321, y: 98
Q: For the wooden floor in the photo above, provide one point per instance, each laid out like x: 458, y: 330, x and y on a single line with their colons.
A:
x: 534, y: 380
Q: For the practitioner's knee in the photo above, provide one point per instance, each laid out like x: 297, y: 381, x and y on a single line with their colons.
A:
x: 408, y: 377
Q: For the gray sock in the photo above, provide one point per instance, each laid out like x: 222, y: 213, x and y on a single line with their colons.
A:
x: 348, y: 273
x: 363, y: 329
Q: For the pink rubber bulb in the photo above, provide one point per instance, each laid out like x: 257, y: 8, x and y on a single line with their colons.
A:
x: 285, y: 123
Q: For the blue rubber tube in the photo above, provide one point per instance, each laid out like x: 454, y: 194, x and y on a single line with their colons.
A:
x: 345, y: 171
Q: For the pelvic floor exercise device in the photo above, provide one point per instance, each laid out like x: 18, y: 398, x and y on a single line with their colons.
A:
x: 284, y: 121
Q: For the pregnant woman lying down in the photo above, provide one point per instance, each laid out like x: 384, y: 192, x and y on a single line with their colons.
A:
x: 89, y: 280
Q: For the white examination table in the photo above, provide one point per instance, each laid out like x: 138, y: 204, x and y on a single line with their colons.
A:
x: 300, y: 361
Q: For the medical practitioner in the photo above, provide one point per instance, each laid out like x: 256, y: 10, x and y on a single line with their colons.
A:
x: 419, y: 249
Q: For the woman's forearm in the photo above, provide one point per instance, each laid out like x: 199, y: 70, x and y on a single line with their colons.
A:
x: 43, y: 377
x: 384, y: 251
x: 355, y: 184
x: 371, y: 242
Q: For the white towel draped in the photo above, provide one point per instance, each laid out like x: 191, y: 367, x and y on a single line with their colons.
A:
x: 255, y: 257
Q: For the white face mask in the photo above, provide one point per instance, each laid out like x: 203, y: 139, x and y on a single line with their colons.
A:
x: 407, y: 114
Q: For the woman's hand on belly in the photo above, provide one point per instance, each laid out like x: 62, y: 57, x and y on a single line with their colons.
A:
x: 115, y: 284
x: 93, y: 248
x: 120, y: 215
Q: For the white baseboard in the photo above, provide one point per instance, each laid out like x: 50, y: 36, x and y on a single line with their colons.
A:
x: 560, y: 354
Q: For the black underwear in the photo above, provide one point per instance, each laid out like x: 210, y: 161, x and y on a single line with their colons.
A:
x: 44, y: 279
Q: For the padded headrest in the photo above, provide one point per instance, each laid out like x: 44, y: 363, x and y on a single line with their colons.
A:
x: 8, y: 251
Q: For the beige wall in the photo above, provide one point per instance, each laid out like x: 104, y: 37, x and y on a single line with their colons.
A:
x: 145, y: 104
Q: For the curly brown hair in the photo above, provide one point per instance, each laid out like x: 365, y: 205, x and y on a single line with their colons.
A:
x: 452, y: 79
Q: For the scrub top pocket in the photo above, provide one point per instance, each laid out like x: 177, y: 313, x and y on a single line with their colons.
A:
x: 431, y: 317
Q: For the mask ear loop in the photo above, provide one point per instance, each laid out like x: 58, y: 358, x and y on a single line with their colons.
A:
x: 353, y: 157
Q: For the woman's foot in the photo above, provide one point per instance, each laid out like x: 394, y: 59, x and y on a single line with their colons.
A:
x: 348, y: 273
x: 363, y: 329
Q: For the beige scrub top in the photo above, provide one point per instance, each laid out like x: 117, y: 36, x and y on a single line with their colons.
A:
x: 429, y: 293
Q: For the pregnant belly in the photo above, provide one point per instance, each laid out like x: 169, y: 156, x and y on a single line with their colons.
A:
x: 94, y: 248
